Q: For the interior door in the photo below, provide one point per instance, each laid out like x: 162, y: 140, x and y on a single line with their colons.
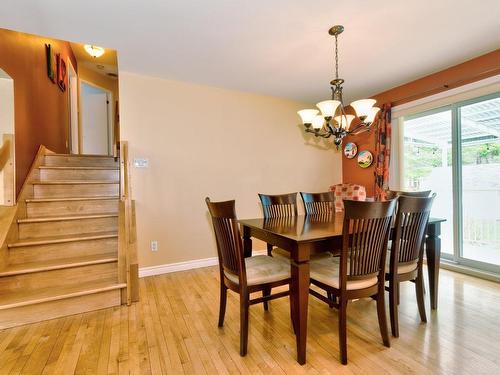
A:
x: 94, y: 114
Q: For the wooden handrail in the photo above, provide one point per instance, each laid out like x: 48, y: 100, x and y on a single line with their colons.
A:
x: 127, y: 232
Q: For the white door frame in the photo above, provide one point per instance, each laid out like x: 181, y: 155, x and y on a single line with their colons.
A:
x: 74, y: 126
x: 109, y: 98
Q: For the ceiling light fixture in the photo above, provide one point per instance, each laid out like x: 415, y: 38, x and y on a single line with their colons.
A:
x: 333, y: 120
x: 94, y: 51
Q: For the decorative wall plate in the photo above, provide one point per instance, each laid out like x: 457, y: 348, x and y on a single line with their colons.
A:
x: 350, y: 150
x: 365, y: 159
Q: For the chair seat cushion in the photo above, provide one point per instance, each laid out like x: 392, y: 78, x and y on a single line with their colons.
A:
x: 402, y: 268
x: 285, y: 255
x: 327, y: 271
x: 262, y: 269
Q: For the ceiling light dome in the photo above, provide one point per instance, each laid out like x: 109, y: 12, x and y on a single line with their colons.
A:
x: 94, y: 51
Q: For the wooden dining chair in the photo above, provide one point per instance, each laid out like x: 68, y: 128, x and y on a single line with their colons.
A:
x: 360, y: 270
x: 278, y: 206
x: 392, y: 194
x: 318, y: 203
x: 407, y: 251
x: 243, y: 275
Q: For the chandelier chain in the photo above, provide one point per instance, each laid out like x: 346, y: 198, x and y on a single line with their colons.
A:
x: 336, y: 58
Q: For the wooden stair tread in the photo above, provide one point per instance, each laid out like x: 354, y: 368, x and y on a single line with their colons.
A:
x: 63, y: 218
x: 75, y: 182
x: 56, y: 293
x: 63, y: 239
x: 82, y: 156
x: 84, y: 168
x: 64, y: 199
x: 20, y: 269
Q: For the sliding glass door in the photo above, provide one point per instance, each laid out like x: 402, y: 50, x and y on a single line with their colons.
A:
x: 479, y: 123
x: 455, y: 152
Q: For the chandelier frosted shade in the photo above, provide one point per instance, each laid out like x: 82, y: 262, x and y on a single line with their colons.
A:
x: 363, y: 107
x: 344, y: 121
x: 318, y: 122
x: 307, y: 115
x: 371, y: 116
x: 328, y: 107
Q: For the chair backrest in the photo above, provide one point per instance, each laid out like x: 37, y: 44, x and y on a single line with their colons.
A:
x: 227, y: 235
x: 318, y: 203
x: 365, y: 236
x: 279, y: 205
x: 411, y: 222
x: 391, y: 194
x: 351, y: 192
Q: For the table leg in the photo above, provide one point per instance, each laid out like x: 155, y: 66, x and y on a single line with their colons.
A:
x: 299, y: 295
x: 247, y: 242
x: 433, y: 254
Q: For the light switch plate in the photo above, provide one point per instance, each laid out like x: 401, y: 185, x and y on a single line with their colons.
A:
x: 141, y: 163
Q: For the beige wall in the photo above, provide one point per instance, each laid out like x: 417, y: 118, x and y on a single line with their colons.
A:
x: 204, y: 141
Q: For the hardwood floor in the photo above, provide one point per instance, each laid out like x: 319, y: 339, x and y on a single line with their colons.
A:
x: 173, y: 329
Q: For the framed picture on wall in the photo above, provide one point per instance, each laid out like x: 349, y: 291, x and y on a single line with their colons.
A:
x: 61, y: 73
x: 51, y: 71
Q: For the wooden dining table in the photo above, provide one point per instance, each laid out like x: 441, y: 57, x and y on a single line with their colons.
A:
x: 303, y: 235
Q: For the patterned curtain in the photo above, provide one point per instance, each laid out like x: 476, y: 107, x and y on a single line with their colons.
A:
x: 383, y: 153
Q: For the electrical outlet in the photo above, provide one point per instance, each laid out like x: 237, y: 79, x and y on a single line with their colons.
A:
x: 154, y: 245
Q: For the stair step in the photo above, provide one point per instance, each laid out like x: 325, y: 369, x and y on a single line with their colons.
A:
x: 25, y: 268
x: 63, y: 218
x: 79, y: 160
x: 63, y: 239
x: 45, y: 295
x: 79, y: 173
x: 74, y: 182
x: 31, y: 306
x: 80, y: 168
x: 62, y: 247
x: 71, y: 206
x: 21, y: 278
x: 70, y: 189
x: 66, y: 225
x: 69, y: 199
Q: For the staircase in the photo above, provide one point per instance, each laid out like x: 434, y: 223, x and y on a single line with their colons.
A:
x: 64, y: 259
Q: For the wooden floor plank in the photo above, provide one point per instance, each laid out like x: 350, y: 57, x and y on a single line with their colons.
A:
x: 173, y: 330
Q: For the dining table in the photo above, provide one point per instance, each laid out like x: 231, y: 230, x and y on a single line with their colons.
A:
x: 304, y: 235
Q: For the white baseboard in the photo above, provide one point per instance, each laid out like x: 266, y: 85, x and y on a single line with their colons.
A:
x: 184, y: 266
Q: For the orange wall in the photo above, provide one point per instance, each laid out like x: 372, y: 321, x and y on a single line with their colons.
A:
x: 481, y: 67
x: 41, y: 109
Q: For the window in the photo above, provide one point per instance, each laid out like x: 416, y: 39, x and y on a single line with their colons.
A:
x: 455, y: 152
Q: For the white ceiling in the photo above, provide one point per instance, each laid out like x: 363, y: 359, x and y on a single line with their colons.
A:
x: 275, y: 47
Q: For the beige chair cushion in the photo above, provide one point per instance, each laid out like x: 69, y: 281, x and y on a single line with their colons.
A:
x: 402, y: 268
x: 285, y: 255
x: 326, y: 271
x: 262, y: 269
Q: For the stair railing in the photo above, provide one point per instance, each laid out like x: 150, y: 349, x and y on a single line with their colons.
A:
x: 127, y: 232
x: 7, y: 171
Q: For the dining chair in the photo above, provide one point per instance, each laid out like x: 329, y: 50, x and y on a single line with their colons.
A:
x: 278, y: 206
x: 353, y: 192
x: 407, y: 251
x: 360, y: 270
x: 318, y: 203
x: 391, y: 194
x: 243, y: 275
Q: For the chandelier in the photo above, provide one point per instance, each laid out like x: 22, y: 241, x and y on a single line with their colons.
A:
x: 333, y: 120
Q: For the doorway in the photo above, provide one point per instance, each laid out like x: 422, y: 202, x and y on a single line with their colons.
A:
x: 96, y: 116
